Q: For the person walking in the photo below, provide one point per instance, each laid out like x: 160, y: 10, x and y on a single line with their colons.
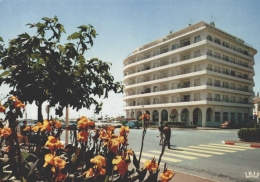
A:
x: 24, y: 132
x: 160, y: 128
x: 167, y: 133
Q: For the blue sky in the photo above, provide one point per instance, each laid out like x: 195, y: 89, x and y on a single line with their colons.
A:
x: 124, y: 25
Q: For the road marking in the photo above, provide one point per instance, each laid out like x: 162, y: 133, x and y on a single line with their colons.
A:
x: 163, y: 157
x: 203, y: 151
x: 222, y: 147
x: 235, y: 146
x: 206, y: 148
x: 175, y: 155
x: 192, y: 153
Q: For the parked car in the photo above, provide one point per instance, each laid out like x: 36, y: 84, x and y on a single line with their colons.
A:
x: 101, y: 123
x: 247, y: 124
x: 116, y: 124
x: 133, y: 124
x: 229, y: 124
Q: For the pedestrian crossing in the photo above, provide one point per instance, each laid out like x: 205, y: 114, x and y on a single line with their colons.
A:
x: 191, y: 152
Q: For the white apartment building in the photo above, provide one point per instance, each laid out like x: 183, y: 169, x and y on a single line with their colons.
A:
x: 200, y: 75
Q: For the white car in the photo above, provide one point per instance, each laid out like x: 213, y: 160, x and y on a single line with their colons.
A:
x: 101, y: 123
x: 116, y: 124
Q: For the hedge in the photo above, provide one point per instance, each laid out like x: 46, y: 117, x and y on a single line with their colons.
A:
x: 249, y: 134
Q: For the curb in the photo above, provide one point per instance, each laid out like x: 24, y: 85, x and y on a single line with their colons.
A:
x: 238, y: 143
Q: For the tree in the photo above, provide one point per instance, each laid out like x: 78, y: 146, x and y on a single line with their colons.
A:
x: 39, y: 68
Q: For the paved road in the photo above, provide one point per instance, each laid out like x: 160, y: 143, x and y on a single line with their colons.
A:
x: 200, y: 153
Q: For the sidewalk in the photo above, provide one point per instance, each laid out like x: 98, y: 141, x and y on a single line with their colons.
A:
x: 180, y: 176
x: 241, y: 143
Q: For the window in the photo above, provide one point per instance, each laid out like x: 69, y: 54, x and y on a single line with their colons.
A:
x: 197, y: 67
x: 217, y: 83
x: 185, y: 57
x: 245, y: 100
x: 217, y: 40
x: 232, y: 99
x: 232, y: 116
x: 196, y: 82
x: 217, y: 97
x: 232, y: 86
x: 175, y: 46
x: 246, y: 117
x: 209, y: 52
x: 197, y: 38
x: 217, y: 55
x: 174, y: 60
x: 239, y: 117
x: 209, y: 37
x: 217, y: 69
x: 186, y: 43
x: 217, y: 116
x: 197, y: 53
x: 225, y: 116
x: 196, y: 96
x: 233, y: 73
x: 209, y: 96
x: 209, y: 81
x: 209, y: 67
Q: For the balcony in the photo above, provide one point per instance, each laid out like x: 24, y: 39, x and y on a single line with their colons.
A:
x: 182, y: 101
x: 217, y: 41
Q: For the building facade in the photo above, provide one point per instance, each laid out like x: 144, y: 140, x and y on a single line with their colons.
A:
x: 200, y: 75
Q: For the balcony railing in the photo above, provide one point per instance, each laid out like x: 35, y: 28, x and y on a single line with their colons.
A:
x: 179, y: 86
x: 217, y: 41
x: 199, y: 99
x: 208, y: 54
x: 178, y: 47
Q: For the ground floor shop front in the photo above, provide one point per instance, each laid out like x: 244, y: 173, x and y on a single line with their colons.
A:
x: 207, y: 115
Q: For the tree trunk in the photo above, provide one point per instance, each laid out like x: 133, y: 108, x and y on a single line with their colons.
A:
x: 40, y: 117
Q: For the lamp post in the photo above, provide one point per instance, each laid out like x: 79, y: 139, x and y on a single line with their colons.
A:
x: 67, y: 123
x: 141, y: 115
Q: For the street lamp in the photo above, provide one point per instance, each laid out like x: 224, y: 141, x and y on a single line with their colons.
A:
x: 141, y: 115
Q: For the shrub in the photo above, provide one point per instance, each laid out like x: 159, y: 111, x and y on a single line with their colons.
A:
x: 249, y: 134
x: 257, y: 125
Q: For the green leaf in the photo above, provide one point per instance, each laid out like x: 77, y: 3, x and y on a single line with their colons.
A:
x: 75, y: 35
x: 1, y: 39
x: 5, y: 73
x: 61, y: 48
x: 47, y: 19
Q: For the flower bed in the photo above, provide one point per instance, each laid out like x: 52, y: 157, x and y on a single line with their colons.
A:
x: 101, y: 155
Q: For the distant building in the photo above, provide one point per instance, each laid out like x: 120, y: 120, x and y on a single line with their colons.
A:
x: 200, y: 75
x: 256, y: 110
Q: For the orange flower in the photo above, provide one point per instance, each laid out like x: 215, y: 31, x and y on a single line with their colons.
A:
x: 61, y: 177
x: 47, y: 126
x: 123, y: 130
x: 89, y: 173
x: 83, y: 136
x: 58, y: 162
x: 167, y: 175
x: 84, y: 122
x: 151, y: 165
x: 121, y: 165
x: 19, y: 104
x: 99, y: 161
x: 5, y: 132
x: 58, y: 124
x: 13, y: 98
x: 48, y: 160
x: 145, y: 116
x: 53, y: 143
x: 39, y: 126
x: 2, y: 108
x: 27, y: 128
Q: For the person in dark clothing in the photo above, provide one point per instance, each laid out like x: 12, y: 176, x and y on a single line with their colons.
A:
x: 160, y: 128
x: 167, y: 133
x: 23, y: 132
